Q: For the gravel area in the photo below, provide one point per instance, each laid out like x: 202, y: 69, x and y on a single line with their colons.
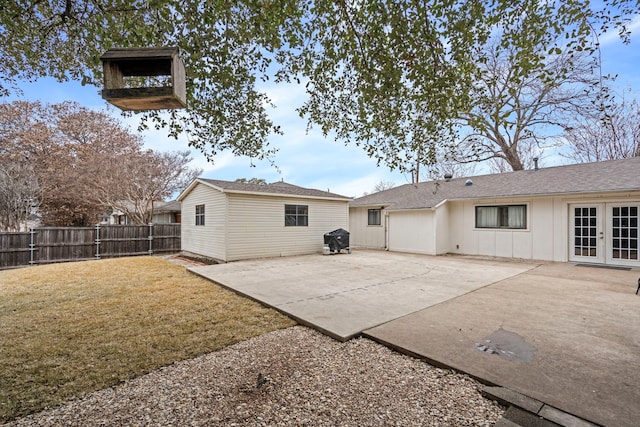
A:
x: 294, y: 376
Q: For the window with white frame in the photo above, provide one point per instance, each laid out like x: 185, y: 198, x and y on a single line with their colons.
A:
x: 505, y: 216
x: 296, y: 215
x: 199, y: 214
x: 374, y: 216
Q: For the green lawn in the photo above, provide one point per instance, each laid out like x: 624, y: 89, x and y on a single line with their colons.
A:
x: 68, y: 329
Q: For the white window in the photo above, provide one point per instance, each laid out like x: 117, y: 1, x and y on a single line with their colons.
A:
x: 296, y: 215
x: 199, y: 214
x: 507, y: 216
x: 375, y: 216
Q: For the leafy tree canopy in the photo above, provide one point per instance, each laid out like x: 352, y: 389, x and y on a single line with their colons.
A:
x: 387, y: 75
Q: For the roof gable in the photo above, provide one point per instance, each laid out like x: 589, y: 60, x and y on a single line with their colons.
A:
x: 585, y: 178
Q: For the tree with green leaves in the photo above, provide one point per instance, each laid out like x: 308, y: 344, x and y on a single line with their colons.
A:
x: 390, y: 76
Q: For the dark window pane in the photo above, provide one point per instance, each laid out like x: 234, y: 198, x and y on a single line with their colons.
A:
x: 578, y: 232
x: 633, y: 211
x: 625, y: 211
x: 616, y: 211
x: 296, y: 215
x: 616, y: 222
x: 616, y: 232
x: 592, y: 222
x: 592, y: 242
x: 616, y: 243
x: 592, y: 211
x: 374, y: 216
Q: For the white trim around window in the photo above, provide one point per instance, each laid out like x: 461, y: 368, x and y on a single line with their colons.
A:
x: 502, y: 217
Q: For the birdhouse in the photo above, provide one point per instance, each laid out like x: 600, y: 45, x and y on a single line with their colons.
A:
x: 119, y: 64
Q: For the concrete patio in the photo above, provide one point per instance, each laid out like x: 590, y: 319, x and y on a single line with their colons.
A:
x: 563, y: 335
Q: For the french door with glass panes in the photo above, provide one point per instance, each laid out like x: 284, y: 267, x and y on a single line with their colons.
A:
x: 605, y: 233
x: 622, y: 243
x: 587, y: 234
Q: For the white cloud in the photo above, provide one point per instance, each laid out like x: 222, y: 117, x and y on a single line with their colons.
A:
x: 612, y: 36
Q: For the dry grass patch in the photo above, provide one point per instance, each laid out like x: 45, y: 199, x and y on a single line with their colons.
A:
x: 68, y: 329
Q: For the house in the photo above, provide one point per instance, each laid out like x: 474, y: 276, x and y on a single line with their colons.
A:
x: 586, y: 213
x: 163, y: 213
x: 167, y: 212
x: 230, y: 221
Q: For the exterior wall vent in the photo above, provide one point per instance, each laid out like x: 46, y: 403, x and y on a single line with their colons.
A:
x: 448, y: 176
x: 468, y: 183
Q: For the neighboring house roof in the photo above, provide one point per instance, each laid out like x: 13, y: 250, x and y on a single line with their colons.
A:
x: 278, y: 188
x: 585, y: 178
x: 170, y: 206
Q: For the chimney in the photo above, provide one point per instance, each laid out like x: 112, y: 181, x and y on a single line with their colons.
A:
x: 535, y: 163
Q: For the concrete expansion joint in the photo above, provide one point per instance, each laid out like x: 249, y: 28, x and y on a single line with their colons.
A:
x: 527, y: 411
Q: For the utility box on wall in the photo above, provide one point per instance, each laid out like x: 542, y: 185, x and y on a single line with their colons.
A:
x: 144, y: 62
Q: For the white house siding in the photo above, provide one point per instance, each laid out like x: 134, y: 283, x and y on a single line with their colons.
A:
x: 412, y: 231
x: 441, y: 229
x: 363, y: 235
x: 469, y: 240
x: 207, y: 240
x: 548, y: 228
x: 162, y: 218
x: 256, y: 226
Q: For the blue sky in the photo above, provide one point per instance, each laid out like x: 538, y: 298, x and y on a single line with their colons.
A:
x: 307, y: 158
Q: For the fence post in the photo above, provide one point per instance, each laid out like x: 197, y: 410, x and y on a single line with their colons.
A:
x: 32, y: 246
x: 150, y: 238
x: 97, y: 241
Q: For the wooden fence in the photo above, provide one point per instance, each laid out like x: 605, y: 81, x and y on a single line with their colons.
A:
x: 64, y: 244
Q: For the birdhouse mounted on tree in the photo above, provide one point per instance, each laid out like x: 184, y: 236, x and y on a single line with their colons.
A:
x: 138, y: 64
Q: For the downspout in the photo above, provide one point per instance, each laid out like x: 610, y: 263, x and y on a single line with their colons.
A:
x: 386, y: 231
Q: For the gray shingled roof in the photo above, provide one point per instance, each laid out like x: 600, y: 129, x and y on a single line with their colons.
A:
x: 275, y: 188
x: 585, y: 178
x: 170, y: 206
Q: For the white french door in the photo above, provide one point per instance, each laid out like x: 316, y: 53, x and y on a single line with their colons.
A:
x: 587, y: 242
x: 622, y: 223
x: 605, y: 233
